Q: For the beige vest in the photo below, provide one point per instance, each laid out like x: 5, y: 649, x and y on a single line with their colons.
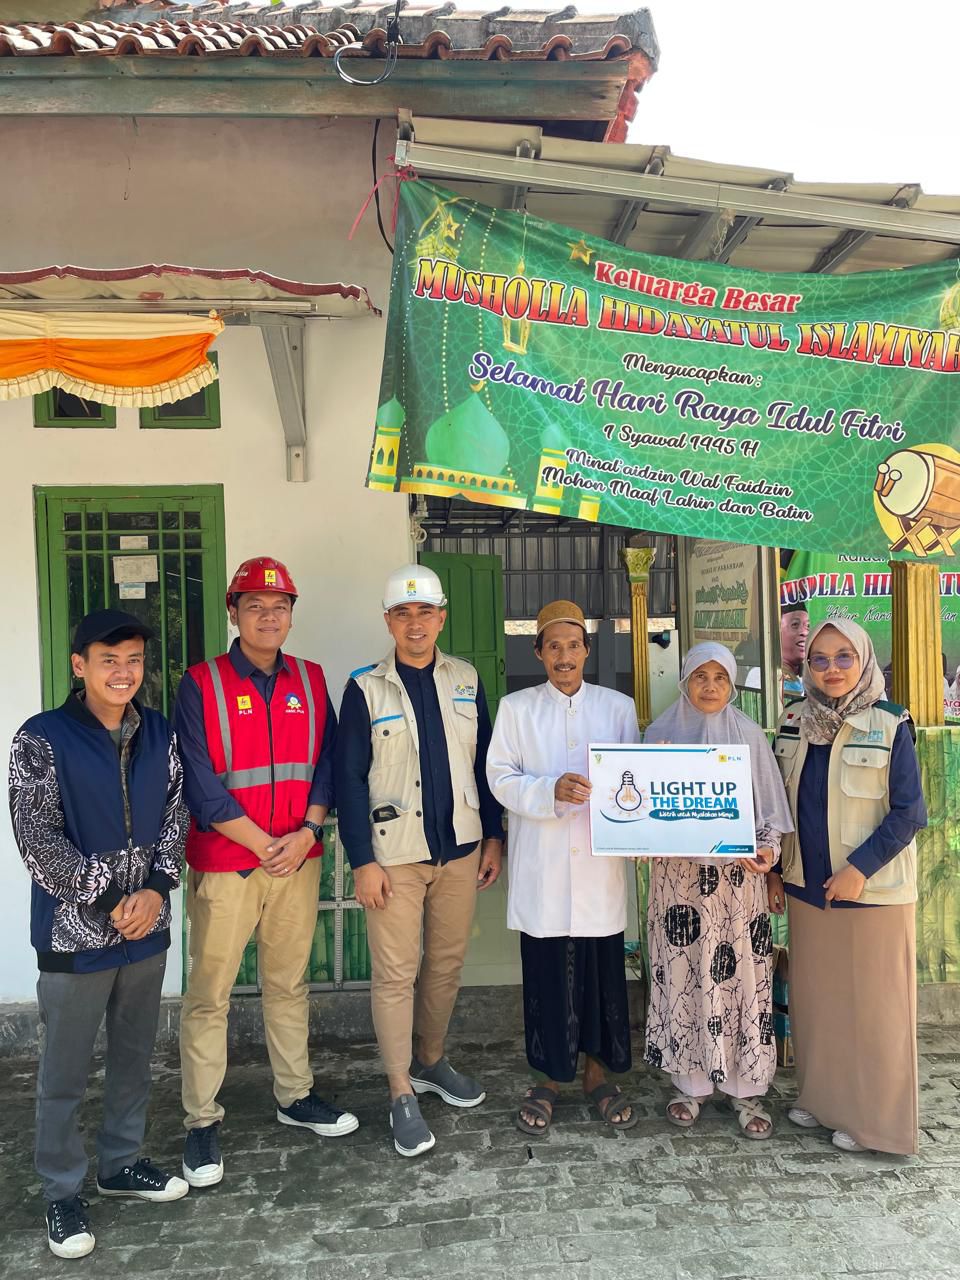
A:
x: 858, y: 798
x: 394, y: 777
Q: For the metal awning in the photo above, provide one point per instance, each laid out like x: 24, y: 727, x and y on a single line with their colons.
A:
x: 232, y: 292
x: 651, y: 201
x: 279, y: 308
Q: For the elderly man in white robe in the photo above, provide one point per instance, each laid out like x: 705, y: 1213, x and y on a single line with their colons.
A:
x: 569, y: 907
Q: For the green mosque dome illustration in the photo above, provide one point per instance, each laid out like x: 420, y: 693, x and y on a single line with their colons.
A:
x: 553, y: 437
x: 391, y: 415
x: 468, y: 438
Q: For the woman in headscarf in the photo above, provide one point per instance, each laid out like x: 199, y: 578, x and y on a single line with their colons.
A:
x: 710, y: 1018
x: 852, y: 779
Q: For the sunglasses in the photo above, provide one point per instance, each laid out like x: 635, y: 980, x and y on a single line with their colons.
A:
x: 843, y: 661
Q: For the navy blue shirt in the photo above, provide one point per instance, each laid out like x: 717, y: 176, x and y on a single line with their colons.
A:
x: 907, y: 816
x: 355, y: 753
x: 207, y: 798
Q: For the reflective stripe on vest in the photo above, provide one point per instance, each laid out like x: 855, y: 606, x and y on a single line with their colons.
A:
x: 262, y: 777
x: 221, y: 700
x: 311, y: 711
x: 236, y: 779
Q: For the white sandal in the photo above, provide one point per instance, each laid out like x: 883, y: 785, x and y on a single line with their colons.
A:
x: 748, y: 1109
x: 692, y: 1105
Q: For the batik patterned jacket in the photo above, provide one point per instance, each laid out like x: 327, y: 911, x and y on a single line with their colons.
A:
x: 94, y: 824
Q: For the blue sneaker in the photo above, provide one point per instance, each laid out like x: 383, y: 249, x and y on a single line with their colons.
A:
x: 143, y: 1181
x: 68, y: 1228
x: 202, y: 1164
x: 320, y: 1117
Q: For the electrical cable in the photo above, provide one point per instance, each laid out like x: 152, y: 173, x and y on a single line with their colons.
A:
x: 376, y: 191
x: 393, y: 42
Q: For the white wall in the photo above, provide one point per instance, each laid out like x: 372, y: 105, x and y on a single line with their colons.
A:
x: 276, y: 196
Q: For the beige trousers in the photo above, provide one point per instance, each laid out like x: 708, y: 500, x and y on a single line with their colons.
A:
x: 224, y: 910
x: 435, y: 903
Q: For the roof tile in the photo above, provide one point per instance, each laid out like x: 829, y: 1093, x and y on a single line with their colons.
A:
x: 255, y: 28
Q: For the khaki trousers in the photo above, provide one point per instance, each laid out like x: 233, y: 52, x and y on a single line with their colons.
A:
x: 435, y: 903
x: 224, y: 910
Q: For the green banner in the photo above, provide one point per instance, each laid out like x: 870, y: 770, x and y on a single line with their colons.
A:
x: 529, y: 365
x: 815, y: 587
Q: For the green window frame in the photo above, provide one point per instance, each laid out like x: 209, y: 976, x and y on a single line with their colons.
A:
x: 45, y: 414
x: 209, y: 420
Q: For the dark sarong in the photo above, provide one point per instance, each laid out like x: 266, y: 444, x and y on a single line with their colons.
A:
x: 575, y: 1001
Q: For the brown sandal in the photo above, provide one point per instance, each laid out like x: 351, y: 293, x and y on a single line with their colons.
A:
x: 618, y: 1103
x: 536, y: 1101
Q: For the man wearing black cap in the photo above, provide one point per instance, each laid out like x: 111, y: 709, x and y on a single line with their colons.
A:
x: 96, y: 801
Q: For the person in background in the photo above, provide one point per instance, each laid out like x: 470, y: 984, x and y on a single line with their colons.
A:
x: 257, y: 733
x: 98, y: 816
x: 569, y: 907
x: 710, y: 1017
x: 423, y: 834
x: 794, y: 629
x: 853, y: 781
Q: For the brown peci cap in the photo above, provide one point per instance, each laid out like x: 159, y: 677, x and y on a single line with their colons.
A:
x: 560, y: 611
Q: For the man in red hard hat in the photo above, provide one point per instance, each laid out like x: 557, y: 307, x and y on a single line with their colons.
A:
x: 257, y: 733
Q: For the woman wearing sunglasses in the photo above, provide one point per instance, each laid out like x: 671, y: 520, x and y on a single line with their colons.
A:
x: 850, y: 871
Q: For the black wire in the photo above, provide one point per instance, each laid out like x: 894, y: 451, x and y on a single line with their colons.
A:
x: 376, y: 176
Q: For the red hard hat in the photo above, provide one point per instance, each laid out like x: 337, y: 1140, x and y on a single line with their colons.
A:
x: 262, y: 573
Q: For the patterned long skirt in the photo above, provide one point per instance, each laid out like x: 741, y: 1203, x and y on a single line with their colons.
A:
x: 575, y: 1001
x: 711, y: 1000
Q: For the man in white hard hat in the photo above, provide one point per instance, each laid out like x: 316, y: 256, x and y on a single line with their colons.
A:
x: 422, y: 833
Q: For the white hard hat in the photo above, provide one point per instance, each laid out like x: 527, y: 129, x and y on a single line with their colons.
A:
x: 413, y: 584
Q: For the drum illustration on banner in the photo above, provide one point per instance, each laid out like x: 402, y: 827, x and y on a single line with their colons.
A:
x: 920, y: 488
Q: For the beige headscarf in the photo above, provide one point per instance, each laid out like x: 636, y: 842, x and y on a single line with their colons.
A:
x: 823, y: 716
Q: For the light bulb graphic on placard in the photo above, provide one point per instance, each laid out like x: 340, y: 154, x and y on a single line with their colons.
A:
x: 628, y: 797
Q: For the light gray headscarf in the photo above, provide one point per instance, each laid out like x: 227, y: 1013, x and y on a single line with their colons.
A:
x: 683, y: 723
x: 822, y: 716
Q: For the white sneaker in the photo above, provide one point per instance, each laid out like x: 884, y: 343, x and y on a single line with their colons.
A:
x: 68, y: 1228
x: 845, y: 1142
x: 805, y: 1119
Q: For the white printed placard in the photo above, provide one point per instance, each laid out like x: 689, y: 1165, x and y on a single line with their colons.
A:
x: 671, y: 801
x: 135, y: 569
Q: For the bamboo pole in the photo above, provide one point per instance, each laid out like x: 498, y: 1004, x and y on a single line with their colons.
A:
x: 917, y: 642
x: 637, y: 562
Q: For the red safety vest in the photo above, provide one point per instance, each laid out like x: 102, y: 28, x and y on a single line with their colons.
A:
x: 264, y: 755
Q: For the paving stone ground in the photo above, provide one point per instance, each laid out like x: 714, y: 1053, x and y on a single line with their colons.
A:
x: 487, y: 1203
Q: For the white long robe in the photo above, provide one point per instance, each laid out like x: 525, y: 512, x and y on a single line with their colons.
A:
x: 556, y: 887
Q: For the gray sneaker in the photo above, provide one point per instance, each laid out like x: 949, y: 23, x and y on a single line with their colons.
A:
x: 411, y: 1137
x: 457, y: 1089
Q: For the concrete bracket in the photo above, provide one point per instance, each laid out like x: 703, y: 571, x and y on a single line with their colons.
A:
x: 283, y: 340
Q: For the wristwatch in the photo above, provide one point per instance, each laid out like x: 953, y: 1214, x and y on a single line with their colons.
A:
x: 316, y: 828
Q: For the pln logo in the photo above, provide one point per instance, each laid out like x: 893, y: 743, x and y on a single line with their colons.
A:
x: 411, y: 586
x: 294, y: 703
x: 244, y: 704
x: 269, y: 577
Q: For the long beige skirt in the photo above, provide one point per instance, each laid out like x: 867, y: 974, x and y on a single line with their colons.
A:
x: 853, y: 1015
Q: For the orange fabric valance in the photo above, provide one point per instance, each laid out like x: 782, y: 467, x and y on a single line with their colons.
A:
x: 131, y: 361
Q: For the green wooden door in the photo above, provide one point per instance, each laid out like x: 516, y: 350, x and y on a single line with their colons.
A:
x: 82, y: 534
x: 473, y: 586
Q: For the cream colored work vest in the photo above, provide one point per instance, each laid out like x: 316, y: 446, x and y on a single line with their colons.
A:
x: 394, y: 777
x: 858, y: 798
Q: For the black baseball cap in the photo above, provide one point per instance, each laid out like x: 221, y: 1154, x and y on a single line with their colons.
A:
x: 104, y: 622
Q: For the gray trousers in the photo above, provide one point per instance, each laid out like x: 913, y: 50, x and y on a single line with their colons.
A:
x: 72, y: 1008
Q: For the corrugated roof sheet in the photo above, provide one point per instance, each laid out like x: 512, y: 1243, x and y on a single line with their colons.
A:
x: 769, y: 244
x: 259, y: 29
